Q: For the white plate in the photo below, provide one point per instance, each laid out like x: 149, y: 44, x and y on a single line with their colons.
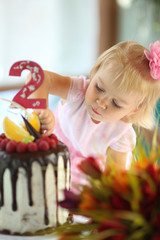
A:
x: 45, y: 237
x: 77, y: 219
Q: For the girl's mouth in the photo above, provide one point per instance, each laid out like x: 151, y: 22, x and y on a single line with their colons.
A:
x: 95, y: 111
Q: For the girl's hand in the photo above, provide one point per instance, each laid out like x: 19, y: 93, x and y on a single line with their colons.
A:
x: 47, y: 121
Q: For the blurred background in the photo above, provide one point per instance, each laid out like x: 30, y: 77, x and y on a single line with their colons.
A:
x: 67, y: 36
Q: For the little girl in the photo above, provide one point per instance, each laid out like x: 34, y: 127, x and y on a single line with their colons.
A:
x: 96, y: 115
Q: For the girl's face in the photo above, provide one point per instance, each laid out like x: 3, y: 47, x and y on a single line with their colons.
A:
x: 104, y: 102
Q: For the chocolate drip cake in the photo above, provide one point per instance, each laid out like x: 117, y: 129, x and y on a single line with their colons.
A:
x: 32, y: 179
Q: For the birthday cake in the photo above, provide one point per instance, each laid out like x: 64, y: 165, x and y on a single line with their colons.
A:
x: 33, y: 176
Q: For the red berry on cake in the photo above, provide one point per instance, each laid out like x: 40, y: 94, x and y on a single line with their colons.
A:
x: 3, y: 136
x: 32, y: 147
x: 53, y: 136
x: 4, y: 143
x: 43, y: 145
x: 21, y: 147
x: 52, y: 143
x: 11, y: 146
x: 47, y: 139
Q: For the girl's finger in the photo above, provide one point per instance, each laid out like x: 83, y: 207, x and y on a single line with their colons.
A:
x: 47, y: 120
x: 47, y: 133
x: 47, y: 126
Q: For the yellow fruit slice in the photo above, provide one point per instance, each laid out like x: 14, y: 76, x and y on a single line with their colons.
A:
x: 33, y: 119
x: 14, y: 132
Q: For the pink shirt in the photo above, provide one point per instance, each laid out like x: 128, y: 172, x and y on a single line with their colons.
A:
x: 84, y: 138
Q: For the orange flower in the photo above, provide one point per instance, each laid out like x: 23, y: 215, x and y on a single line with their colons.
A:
x: 121, y: 183
x: 88, y: 202
x: 67, y: 236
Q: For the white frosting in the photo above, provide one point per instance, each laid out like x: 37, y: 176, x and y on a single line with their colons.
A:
x: 31, y: 218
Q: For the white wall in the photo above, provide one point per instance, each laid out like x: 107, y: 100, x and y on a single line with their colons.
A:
x: 139, y: 22
x: 60, y: 35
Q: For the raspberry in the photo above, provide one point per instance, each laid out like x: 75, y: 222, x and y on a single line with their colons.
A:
x: 3, y: 136
x: 47, y: 139
x: 53, y: 136
x: 4, y: 143
x: 32, y: 147
x: 52, y: 143
x: 43, y: 145
x: 11, y: 146
x: 21, y: 147
x: 38, y: 140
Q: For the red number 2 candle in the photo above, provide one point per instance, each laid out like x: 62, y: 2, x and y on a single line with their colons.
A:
x: 36, y: 80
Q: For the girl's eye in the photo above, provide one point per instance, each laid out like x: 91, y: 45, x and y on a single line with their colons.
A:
x: 115, y: 104
x: 99, y: 89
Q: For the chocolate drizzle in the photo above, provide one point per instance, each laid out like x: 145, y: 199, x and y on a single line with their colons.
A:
x: 14, y: 161
x: 31, y: 129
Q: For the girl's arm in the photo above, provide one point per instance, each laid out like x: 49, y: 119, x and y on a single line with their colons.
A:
x: 52, y: 84
x: 119, y: 158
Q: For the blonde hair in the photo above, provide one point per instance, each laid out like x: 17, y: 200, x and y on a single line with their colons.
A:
x: 132, y: 73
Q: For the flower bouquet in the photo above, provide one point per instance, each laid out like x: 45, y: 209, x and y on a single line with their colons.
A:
x: 118, y: 204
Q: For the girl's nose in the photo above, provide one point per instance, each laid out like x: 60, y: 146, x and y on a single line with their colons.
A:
x: 102, y: 103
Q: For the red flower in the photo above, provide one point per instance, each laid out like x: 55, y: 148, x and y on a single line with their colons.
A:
x: 90, y: 167
x: 148, y: 193
x: 156, y: 236
x: 118, y: 237
x: 113, y: 224
x: 71, y: 200
x: 152, y: 171
x: 156, y: 221
x: 119, y: 203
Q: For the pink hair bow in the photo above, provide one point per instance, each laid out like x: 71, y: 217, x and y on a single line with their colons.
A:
x: 154, y: 59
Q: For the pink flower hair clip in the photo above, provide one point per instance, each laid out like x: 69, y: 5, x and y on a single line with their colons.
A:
x: 154, y: 59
